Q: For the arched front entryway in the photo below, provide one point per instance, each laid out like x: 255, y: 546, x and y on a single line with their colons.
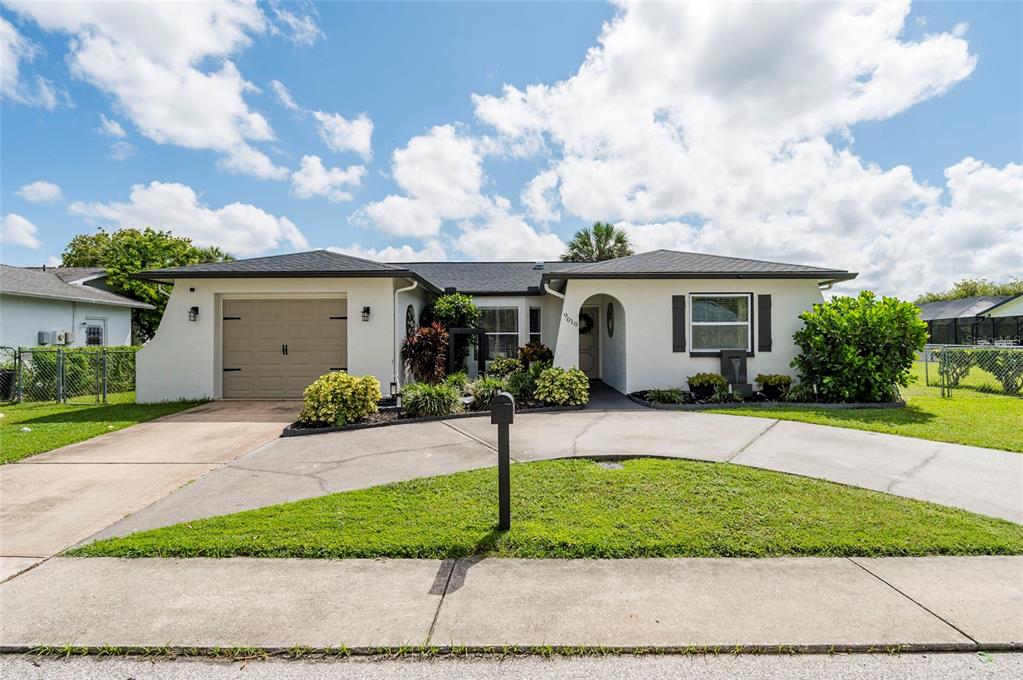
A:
x: 602, y: 340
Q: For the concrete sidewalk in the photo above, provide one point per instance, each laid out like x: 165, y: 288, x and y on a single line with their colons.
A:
x: 56, y: 499
x: 798, y: 603
x: 980, y: 480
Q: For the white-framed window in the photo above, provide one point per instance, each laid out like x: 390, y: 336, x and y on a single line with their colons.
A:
x: 502, y: 327
x: 534, y: 324
x: 720, y: 321
x: 95, y: 331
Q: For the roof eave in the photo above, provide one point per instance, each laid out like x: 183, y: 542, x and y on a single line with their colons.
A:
x: 820, y: 276
x: 123, y: 302
x: 999, y: 304
x: 169, y: 276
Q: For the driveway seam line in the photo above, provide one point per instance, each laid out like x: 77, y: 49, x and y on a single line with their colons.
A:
x: 472, y: 437
x: 742, y: 449
x: 436, y: 614
x: 917, y: 603
x: 27, y: 569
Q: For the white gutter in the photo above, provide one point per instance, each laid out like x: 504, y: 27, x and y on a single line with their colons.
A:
x: 160, y: 289
x: 547, y: 287
x: 394, y: 328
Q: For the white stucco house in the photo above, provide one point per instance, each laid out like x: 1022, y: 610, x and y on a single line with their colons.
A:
x: 65, y: 306
x: 266, y: 327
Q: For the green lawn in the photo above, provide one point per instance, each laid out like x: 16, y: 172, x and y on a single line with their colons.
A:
x: 577, y: 508
x: 53, y: 425
x: 968, y: 417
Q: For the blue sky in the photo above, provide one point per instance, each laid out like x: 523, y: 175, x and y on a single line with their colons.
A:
x: 729, y: 137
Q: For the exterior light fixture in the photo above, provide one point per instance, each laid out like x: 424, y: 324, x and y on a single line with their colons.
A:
x: 365, y: 313
x: 193, y: 313
x: 394, y: 390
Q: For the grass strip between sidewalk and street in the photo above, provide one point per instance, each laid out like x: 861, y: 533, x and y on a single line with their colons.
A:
x: 970, y: 416
x: 50, y: 425
x: 579, y: 509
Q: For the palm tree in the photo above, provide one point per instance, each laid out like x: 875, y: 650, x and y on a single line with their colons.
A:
x: 604, y: 241
x: 212, y: 254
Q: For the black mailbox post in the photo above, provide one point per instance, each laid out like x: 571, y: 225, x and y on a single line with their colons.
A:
x: 502, y: 414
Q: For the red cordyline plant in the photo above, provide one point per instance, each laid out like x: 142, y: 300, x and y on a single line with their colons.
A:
x: 426, y: 353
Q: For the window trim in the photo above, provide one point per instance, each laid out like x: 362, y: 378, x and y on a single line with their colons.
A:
x: 712, y: 353
x: 95, y: 322
x: 491, y: 344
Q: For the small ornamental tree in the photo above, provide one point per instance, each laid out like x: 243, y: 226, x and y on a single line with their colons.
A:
x: 455, y: 310
x: 859, y: 349
x: 426, y: 353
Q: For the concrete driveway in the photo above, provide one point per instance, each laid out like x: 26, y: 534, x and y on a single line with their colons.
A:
x: 56, y: 499
x: 981, y: 480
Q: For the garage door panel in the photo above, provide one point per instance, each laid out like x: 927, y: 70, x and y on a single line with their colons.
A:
x: 254, y: 332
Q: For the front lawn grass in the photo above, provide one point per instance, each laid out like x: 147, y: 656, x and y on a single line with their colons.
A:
x: 578, y: 508
x: 54, y: 425
x: 969, y: 417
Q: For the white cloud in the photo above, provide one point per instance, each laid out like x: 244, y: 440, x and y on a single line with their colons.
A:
x: 167, y: 66
x: 40, y: 192
x: 341, y: 134
x: 299, y: 21
x: 399, y: 216
x: 283, y: 95
x: 313, y: 179
x: 111, y: 127
x: 16, y: 230
x: 502, y: 235
x: 239, y: 228
x: 122, y: 150
x: 15, y: 49
x: 540, y: 197
x: 694, y: 146
x: 433, y: 251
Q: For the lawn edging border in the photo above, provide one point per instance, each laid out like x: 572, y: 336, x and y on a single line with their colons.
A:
x: 292, y: 431
x: 768, y: 405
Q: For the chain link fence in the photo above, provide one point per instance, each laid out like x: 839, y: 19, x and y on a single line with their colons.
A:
x: 68, y: 375
x: 985, y: 368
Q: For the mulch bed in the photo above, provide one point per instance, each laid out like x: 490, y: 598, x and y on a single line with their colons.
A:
x: 758, y: 400
x: 390, y: 415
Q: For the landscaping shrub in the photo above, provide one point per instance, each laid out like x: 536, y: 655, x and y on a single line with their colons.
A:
x: 339, y: 398
x: 859, y: 349
x: 426, y: 353
x: 459, y: 380
x: 561, y: 387
x: 705, y: 385
x: 774, y: 385
x: 535, y: 352
x: 420, y: 400
x: 502, y: 367
x: 483, y: 390
x: 521, y: 385
x: 956, y: 366
x: 670, y: 395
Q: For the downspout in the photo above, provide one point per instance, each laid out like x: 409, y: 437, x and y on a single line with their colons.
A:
x: 547, y: 287
x: 394, y: 329
x: 160, y: 289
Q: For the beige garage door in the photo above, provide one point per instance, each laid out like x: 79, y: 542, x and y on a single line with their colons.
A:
x: 273, y: 349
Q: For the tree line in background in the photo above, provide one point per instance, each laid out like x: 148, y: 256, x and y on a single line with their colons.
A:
x: 127, y: 252
x: 972, y: 288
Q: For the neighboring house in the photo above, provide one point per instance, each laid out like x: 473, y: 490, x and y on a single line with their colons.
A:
x: 267, y: 327
x: 982, y: 318
x: 66, y: 306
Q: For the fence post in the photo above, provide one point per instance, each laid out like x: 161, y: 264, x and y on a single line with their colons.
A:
x: 105, y: 375
x: 60, y: 376
x: 18, y: 368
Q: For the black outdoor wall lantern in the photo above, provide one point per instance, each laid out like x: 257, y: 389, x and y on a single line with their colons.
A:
x: 365, y: 313
x: 193, y: 313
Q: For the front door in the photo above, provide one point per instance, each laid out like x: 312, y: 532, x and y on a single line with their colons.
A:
x: 589, y: 342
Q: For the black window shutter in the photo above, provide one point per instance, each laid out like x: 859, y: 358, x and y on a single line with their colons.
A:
x: 764, y: 323
x: 678, y: 323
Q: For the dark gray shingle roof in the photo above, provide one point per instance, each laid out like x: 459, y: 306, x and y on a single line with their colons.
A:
x: 963, y: 308
x: 314, y: 262
x: 70, y: 274
x: 47, y: 284
x: 670, y: 263
x: 482, y: 278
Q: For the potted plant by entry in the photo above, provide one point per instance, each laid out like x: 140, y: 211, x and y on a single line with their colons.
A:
x: 704, y: 385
